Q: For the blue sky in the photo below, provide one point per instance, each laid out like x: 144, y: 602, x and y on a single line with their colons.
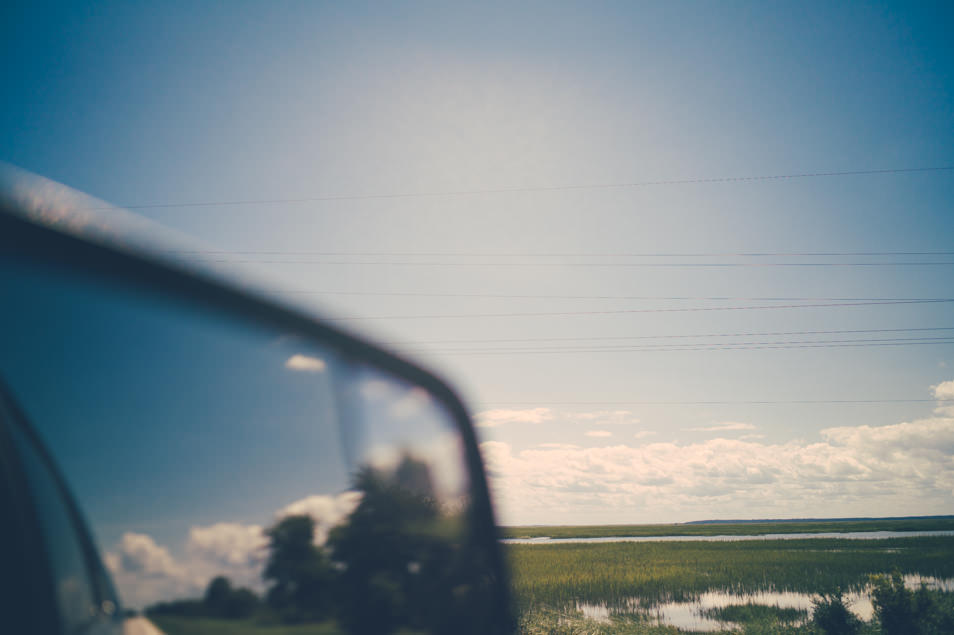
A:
x: 143, y: 105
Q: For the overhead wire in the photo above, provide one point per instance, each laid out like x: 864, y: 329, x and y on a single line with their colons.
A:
x: 606, y: 297
x: 729, y: 346
x: 676, y: 336
x: 636, y: 311
x: 633, y: 184
x: 529, y: 188
x: 398, y: 263
x: 435, y: 254
x: 759, y: 402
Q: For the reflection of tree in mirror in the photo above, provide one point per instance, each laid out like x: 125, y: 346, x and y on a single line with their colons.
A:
x: 402, y: 561
x: 221, y: 600
x: 301, y: 574
x: 405, y: 562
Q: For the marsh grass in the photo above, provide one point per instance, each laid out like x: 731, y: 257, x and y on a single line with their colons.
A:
x: 611, y: 573
x: 757, y: 613
x: 173, y: 625
x: 626, y: 577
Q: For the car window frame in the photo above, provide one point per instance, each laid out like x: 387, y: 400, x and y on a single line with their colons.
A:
x: 38, y: 588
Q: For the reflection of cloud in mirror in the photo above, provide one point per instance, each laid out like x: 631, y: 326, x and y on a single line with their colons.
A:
x: 305, y: 363
x: 442, y: 453
x: 410, y: 404
x: 230, y: 544
x: 326, y: 511
x: 139, y: 553
x: 146, y: 572
x: 403, y: 400
x: 375, y: 389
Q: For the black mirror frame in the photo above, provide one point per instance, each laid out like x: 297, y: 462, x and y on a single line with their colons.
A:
x: 21, y: 238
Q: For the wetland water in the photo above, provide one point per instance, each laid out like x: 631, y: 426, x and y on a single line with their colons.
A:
x: 693, y: 615
x: 845, y: 535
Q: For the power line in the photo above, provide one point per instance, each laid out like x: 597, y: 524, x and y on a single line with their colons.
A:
x: 398, y: 263
x: 678, y: 346
x: 525, y: 188
x: 732, y: 346
x: 603, y: 297
x: 679, y: 336
x: 436, y: 254
x: 786, y: 402
x: 634, y: 311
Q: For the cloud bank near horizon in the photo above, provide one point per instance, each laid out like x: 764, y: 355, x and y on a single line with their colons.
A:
x: 897, y: 469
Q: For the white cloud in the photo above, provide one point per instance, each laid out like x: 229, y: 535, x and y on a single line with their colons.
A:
x: 599, y: 433
x: 139, y: 553
x: 725, y: 426
x: 642, y: 434
x: 230, y: 544
x: 944, y: 391
x: 326, y: 511
x: 305, y: 363
x: 146, y: 572
x: 898, y: 469
x: 605, y: 417
x: 494, y: 418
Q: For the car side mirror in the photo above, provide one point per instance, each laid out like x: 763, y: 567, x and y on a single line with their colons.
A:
x: 236, y: 462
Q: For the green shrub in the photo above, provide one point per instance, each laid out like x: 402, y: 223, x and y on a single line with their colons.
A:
x: 831, y: 615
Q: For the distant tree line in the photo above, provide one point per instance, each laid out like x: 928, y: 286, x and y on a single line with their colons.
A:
x: 220, y: 600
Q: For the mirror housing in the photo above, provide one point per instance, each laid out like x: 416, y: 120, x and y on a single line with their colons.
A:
x: 208, y: 431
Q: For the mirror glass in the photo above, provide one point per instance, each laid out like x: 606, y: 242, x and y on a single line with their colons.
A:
x: 232, y: 471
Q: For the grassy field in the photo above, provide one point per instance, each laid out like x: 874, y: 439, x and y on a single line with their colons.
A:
x: 550, y: 581
x: 731, y: 529
x: 559, y: 575
x: 207, y: 626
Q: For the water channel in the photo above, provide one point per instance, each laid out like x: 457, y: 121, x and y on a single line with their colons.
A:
x: 846, y: 535
x: 693, y: 615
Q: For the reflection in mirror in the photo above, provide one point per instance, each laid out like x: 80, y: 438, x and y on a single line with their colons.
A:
x: 234, y: 474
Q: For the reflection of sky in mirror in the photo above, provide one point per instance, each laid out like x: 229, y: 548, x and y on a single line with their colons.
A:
x: 398, y: 418
x: 182, y: 434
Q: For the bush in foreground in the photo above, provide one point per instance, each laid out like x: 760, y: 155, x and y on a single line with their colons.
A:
x: 904, y: 612
x: 831, y: 615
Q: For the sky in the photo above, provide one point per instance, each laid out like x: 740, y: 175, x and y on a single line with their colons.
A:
x: 552, y: 205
